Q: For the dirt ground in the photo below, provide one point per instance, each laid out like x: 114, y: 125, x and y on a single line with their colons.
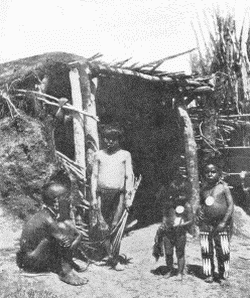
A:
x: 139, y: 278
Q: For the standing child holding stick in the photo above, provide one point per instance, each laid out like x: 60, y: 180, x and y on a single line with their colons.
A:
x: 112, y: 183
x: 215, y: 223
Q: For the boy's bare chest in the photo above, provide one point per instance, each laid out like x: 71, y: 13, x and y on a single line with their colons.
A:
x: 116, y: 159
x: 215, y: 194
x: 217, y: 190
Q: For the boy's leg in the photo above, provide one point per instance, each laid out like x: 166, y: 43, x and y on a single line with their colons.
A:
x: 158, y: 243
x: 180, y: 252
x: 207, y: 254
x: 117, y: 213
x: 103, y: 201
x: 65, y: 266
x: 38, y: 260
x: 169, y: 252
x: 222, y: 247
x: 119, y: 210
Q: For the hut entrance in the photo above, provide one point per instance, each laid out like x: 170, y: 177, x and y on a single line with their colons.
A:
x: 152, y: 134
x: 152, y: 131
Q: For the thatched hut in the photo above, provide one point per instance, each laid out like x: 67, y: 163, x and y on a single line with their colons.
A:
x: 148, y: 104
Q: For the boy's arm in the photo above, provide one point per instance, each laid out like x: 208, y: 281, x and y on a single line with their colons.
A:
x: 77, y: 240
x: 164, y: 213
x: 70, y: 230
x: 167, y: 205
x: 129, y: 179
x: 56, y: 233
x: 190, y: 216
x: 230, y: 205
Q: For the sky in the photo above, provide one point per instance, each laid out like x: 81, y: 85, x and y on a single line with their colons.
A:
x: 143, y: 30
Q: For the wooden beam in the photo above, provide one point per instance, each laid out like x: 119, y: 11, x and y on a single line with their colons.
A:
x: 78, y: 120
x: 88, y: 89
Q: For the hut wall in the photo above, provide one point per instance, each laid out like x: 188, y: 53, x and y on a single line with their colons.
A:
x: 27, y: 159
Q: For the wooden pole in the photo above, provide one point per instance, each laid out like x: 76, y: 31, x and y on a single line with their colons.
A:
x: 191, y: 157
x: 78, y: 120
x: 88, y: 89
x: 90, y: 124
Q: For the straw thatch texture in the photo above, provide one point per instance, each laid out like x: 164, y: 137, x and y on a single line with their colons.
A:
x: 27, y: 158
x: 19, y: 69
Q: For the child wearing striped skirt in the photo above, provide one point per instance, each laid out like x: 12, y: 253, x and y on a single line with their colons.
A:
x: 215, y: 224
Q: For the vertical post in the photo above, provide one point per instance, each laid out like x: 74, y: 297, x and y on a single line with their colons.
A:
x: 191, y: 157
x: 88, y: 89
x: 91, y: 129
x: 78, y: 120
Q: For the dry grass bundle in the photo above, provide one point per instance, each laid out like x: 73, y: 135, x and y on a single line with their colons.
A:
x: 222, y: 56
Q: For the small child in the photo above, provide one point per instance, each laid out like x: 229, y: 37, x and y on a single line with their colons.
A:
x: 215, y: 223
x: 177, y: 219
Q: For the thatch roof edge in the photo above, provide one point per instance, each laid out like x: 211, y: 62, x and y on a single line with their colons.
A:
x: 19, y: 68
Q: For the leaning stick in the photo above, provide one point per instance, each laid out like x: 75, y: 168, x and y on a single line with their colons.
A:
x: 71, y: 165
x: 118, y: 238
x: 67, y: 106
x: 117, y: 241
x: 9, y: 103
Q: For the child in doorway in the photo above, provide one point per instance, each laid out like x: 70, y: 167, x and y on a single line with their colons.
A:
x: 215, y: 223
x: 111, y: 184
x: 177, y: 219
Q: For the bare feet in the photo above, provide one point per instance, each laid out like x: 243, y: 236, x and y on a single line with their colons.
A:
x: 180, y: 277
x: 119, y: 267
x: 169, y: 274
x: 224, y: 283
x: 209, y: 279
x: 79, y: 268
x: 73, y: 279
x: 69, y: 276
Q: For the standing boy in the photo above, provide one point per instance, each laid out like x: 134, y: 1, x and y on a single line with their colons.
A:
x: 215, y: 223
x: 177, y: 219
x: 111, y: 184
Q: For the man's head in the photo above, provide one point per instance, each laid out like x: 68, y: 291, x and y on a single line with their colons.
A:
x: 212, y: 173
x: 57, y: 188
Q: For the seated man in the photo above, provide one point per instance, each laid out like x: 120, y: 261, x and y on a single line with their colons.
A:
x: 45, y: 244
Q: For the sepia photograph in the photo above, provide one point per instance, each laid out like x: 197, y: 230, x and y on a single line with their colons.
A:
x: 125, y: 149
